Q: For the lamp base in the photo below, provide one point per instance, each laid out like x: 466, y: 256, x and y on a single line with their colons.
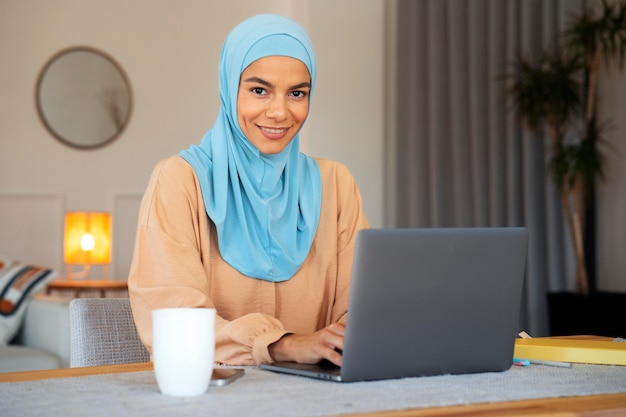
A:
x: 85, y: 272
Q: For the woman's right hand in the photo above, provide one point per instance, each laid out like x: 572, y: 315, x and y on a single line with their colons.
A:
x: 326, y: 343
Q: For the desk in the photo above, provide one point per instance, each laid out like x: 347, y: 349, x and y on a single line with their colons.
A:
x: 132, y: 388
x: 78, y: 285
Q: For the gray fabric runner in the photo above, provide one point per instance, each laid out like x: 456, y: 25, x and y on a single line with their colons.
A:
x: 262, y: 393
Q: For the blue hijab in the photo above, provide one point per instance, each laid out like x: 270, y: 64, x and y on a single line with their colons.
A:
x: 265, y: 207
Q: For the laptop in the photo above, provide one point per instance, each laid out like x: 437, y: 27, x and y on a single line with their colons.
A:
x: 429, y: 302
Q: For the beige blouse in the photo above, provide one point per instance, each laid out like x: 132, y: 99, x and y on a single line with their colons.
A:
x: 177, y: 263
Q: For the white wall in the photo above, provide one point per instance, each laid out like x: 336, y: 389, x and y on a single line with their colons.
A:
x: 169, y: 50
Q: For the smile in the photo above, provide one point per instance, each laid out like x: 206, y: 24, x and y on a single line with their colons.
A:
x: 274, y: 131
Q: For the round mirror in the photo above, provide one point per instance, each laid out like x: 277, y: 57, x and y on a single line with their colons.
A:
x: 83, y: 97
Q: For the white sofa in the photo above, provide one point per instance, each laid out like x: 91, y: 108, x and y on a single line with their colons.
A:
x: 43, y: 342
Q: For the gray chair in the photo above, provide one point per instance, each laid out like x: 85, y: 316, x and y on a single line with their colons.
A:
x: 102, y: 332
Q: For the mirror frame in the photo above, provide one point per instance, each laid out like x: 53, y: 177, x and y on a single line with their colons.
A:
x: 40, y: 111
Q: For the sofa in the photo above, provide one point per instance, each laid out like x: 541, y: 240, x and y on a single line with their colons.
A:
x: 43, y: 341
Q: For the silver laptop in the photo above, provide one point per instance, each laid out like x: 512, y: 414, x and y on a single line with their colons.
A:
x: 429, y: 302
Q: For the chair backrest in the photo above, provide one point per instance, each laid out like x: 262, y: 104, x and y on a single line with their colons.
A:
x: 102, y: 332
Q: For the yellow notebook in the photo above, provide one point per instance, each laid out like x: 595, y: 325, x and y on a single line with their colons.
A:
x: 571, y: 350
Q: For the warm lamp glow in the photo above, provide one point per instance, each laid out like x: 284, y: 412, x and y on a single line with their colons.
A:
x: 87, y: 238
x: 87, y: 242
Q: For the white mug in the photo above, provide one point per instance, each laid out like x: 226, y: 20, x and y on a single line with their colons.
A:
x: 183, y: 349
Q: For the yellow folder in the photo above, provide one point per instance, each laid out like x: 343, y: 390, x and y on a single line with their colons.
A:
x: 605, y: 352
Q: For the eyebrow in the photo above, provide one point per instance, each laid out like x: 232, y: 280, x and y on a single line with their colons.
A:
x: 268, y: 84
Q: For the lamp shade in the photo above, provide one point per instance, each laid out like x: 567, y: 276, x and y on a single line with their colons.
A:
x: 87, y: 238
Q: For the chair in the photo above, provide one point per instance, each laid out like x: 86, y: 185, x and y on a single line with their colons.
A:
x: 102, y: 332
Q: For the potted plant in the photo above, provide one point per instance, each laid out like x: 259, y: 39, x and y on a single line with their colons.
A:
x: 558, y: 97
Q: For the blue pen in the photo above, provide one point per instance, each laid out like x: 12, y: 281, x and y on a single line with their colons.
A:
x: 521, y: 362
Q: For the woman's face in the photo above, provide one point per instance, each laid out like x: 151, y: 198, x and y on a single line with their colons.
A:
x: 273, y: 101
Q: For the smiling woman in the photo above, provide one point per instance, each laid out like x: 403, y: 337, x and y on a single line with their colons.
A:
x: 246, y: 223
x: 83, y: 97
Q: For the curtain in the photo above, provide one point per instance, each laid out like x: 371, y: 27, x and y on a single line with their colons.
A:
x: 460, y: 158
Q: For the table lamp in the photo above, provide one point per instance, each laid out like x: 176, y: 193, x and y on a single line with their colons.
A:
x: 87, y: 242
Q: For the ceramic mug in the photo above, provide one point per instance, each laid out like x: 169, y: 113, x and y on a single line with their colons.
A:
x: 183, y: 349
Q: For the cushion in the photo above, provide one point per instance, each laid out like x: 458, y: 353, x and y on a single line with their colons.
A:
x: 15, y: 358
x: 46, y: 325
x: 18, y: 283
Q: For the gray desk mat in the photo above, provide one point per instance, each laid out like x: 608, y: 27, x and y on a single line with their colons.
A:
x: 261, y: 393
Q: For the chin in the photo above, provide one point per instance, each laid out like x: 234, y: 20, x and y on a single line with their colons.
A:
x: 271, y: 151
x: 272, y: 148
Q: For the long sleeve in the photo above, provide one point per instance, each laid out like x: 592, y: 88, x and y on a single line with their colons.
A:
x: 176, y: 263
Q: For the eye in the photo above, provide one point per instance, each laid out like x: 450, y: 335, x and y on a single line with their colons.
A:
x: 259, y: 91
x: 299, y: 94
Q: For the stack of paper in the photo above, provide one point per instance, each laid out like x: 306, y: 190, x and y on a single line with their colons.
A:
x: 571, y: 350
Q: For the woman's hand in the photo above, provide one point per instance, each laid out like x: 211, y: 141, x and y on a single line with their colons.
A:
x: 311, y: 348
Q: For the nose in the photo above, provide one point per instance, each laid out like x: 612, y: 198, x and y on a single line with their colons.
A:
x: 277, y: 108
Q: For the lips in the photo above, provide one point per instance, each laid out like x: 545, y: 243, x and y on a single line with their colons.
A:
x: 273, y: 133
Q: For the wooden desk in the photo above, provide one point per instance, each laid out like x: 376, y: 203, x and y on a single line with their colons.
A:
x: 595, y: 405
x: 73, y: 372
x: 78, y: 285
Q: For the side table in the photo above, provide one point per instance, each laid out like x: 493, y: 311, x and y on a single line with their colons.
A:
x: 79, y: 285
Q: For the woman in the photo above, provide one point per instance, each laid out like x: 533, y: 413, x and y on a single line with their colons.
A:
x: 244, y: 222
